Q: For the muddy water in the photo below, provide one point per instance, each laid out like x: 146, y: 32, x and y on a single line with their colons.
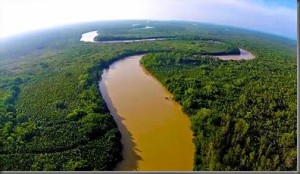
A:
x: 156, y: 134
x: 244, y: 55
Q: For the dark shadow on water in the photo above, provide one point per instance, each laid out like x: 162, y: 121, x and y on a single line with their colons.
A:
x: 130, y: 157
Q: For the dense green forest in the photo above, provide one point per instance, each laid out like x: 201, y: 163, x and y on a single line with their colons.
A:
x: 243, y: 113
x: 52, y: 115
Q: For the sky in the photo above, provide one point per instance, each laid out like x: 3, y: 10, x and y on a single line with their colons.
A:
x: 277, y: 17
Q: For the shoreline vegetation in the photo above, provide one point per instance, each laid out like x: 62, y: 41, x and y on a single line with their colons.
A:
x: 233, y: 54
x: 54, y: 118
x: 244, y: 55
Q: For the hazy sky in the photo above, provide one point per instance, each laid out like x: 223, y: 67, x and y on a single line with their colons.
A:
x: 273, y: 16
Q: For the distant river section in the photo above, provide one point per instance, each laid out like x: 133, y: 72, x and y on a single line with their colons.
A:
x: 156, y: 134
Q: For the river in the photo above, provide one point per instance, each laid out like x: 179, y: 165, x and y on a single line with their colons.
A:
x: 156, y: 134
x: 244, y: 55
x: 89, y: 37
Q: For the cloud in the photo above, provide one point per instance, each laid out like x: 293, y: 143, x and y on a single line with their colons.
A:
x: 23, y: 15
x: 246, y: 14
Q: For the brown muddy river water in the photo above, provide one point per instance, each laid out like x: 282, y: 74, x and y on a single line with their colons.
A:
x: 156, y: 134
x: 244, y: 55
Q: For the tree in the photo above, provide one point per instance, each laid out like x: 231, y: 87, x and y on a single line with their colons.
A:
x: 77, y: 165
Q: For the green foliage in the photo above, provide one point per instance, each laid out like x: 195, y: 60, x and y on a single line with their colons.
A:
x: 60, y: 105
x: 76, y: 114
x: 242, y: 112
x: 78, y: 165
x: 22, y: 117
x: 52, y: 115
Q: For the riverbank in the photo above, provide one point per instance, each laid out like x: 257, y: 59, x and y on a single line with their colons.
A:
x: 135, y: 110
x: 89, y: 37
x: 156, y: 134
x: 244, y: 55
